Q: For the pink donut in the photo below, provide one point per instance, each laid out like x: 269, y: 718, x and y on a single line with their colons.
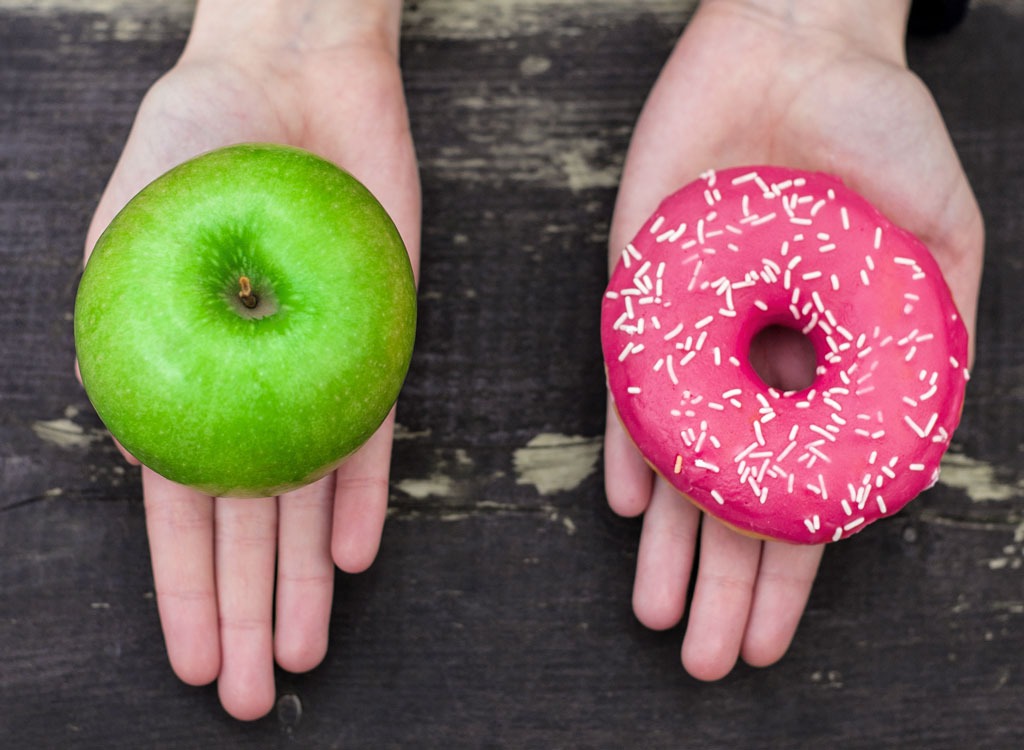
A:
x: 747, y: 248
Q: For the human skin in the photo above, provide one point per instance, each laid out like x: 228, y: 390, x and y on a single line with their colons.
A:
x: 814, y: 84
x: 323, y: 76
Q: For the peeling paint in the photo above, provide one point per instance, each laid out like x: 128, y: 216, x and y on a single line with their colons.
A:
x: 977, y: 478
x: 1012, y: 557
x: 501, y: 19
x: 183, y: 8
x: 556, y: 463
x: 436, y: 485
x: 404, y: 433
x: 66, y: 434
x: 580, y: 172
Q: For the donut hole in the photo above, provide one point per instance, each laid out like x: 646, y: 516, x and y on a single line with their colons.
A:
x: 783, y: 358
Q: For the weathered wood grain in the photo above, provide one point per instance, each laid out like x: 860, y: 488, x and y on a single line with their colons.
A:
x: 498, y: 612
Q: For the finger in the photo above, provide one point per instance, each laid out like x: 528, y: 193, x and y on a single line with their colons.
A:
x: 361, y: 501
x: 246, y: 543
x: 305, y: 576
x: 783, y: 585
x: 179, y: 522
x: 721, y: 600
x: 665, y: 558
x: 628, y: 480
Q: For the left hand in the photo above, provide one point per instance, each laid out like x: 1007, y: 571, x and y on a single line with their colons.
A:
x: 807, y: 84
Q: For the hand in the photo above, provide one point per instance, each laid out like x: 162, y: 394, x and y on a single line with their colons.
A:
x: 325, y: 78
x: 809, y: 84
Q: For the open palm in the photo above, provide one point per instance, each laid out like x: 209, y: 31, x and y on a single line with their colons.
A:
x: 745, y: 86
x: 215, y: 561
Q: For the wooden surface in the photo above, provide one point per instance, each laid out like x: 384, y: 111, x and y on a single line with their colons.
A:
x: 498, y: 612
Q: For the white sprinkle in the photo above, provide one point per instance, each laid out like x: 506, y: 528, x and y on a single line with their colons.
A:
x: 743, y: 453
x: 818, y: 454
x: 657, y: 224
x: 703, y: 322
x: 881, y: 504
x: 817, y: 301
x: 845, y: 216
x: 811, y: 275
x: 626, y: 351
x: 823, y: 432
x: 864, y: 277
x: 718, y: 497
x: 700, y: 463
x: 671, y: 370
x: 786, y: 451
x: 878, y: 238
x: 674, y: 332
x: 838, y: 534
x: 835, y: 282
x: 633, y: 390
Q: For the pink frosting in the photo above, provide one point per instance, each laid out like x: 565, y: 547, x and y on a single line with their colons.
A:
x: 740, y: 250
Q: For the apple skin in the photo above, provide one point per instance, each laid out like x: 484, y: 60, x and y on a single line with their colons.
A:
x: 228, y: 400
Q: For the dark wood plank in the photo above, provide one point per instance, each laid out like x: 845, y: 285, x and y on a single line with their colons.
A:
x: 498, y: 612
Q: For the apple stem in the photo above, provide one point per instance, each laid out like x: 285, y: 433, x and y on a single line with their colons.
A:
x: 245, y: 293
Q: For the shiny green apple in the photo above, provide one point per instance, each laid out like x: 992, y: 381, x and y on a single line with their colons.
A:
x: 247, y: 320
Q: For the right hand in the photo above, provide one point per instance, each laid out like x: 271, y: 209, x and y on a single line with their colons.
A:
x: 325, y: 78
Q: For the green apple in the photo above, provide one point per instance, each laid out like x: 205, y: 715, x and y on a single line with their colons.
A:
x: 247, y: 320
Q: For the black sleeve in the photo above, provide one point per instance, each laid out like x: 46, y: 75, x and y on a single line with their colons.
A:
x: 929, y: 17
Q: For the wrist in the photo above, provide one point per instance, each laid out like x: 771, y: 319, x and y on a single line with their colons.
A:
x: 287, y: 31
x: 877, y: 25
